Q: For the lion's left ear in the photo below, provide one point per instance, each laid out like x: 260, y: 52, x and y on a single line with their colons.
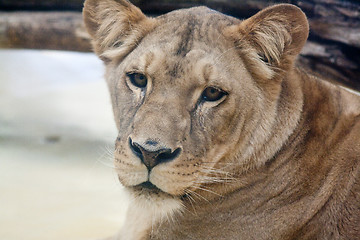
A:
x: 271, y: 39
x: 115, y: 26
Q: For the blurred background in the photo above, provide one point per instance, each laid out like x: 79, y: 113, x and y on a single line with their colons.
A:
x: 56, y: 141
x: 56, y: 124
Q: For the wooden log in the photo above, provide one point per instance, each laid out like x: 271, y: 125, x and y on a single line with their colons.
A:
x: 43, y: 30
x: 331, y: 63
x: 16, y: 5
x: 333, y: 47
x: 335, y: 20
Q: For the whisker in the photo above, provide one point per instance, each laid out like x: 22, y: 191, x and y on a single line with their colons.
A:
x: 214, y: 170
x: 207, y: 190
x: 108, y: 156
x: 191, y: 199
x: 199, y: 196
x: 217, y: 174
x: 188, y: 194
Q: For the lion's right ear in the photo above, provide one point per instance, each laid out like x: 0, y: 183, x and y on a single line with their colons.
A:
x: 115, y: 26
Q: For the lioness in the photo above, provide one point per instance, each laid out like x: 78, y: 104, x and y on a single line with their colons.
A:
x: 220, y: 136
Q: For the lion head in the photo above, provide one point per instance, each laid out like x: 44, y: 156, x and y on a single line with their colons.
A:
x: 195, y: 93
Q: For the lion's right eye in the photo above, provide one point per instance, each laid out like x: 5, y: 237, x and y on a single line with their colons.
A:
x: 137, y: 79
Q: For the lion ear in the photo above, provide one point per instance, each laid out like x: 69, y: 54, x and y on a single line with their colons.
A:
x: 271, y: 39
x: 115, y: 26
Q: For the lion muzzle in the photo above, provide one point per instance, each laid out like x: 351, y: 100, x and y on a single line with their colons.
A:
x: 153, y: 156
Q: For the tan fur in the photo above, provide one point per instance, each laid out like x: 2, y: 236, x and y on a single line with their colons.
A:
x: 278, y: 157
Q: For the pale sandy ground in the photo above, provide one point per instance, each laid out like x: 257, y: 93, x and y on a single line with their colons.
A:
x: 56, y: 132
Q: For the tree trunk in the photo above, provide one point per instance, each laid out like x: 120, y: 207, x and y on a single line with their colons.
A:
x: 333, y: 48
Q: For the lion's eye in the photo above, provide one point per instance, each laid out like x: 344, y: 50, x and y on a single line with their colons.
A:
x: 137, y: 79
x: 212, y: 94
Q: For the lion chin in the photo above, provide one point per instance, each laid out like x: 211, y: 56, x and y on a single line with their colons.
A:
x: 220, y: 135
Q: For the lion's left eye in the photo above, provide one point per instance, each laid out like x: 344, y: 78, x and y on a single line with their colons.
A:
x: 213, y: 94
x: 137, y: 79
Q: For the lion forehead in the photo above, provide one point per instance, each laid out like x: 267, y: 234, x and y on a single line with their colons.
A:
x: 198, y: 28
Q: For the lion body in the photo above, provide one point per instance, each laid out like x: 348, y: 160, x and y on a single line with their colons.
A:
x: 274, y: 155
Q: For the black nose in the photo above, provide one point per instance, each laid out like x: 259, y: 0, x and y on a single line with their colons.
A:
x: 151, y: 158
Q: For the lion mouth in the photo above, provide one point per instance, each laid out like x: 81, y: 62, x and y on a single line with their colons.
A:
x: 147, y: 186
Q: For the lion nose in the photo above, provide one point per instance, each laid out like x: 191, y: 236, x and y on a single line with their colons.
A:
x: 151, y: 158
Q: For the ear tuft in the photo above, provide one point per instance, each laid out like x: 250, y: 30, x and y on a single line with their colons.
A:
x: 271, y: 39
x: 115, y: 26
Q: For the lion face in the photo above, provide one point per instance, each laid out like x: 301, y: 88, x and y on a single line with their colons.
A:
x: 178, y: 110
x: 178, y: 115
x: 191, y: 94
